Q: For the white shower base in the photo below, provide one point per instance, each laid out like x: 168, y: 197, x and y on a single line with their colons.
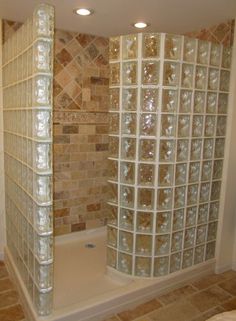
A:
x: 85, y: 290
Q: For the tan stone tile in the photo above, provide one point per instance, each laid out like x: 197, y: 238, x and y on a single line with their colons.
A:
x: 178, y: 311
x: 140, y: 310
x: 229, y: 286
x: 13, y: 313
x: 207, y: 281
x: 177, y: 294
x: 5, y: 284
x: 209, y: 298
x: 205, y: 316
x: 229, y: 274
x: 8, y: 298
x: 3, y: 272
x: 230, y: 305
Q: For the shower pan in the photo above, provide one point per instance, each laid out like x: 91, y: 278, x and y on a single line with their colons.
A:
x: 167, y: 131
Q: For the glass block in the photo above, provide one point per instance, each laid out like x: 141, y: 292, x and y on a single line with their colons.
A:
x: 202, y: 214
x: 146, y: 174
x: 167, y: 150
x: 114, y: 98
x: 223, y: 103
x: 162, y: 244
x: 182, y: 150
x: 126, y: 241
x: 201, y: 77
x: 125, y: 263
x: 176, y: 241
x: 213, y: 79
x: 208, y: 148
x: 143, y: 244
x: 215, y: 54
x: 185, y: 101
x: 41, y: 124
x: 126, y: 218
x: 42, y: 188
x: 164, y: 198
x: 43, y: 218
x: 128, y: 148
x: 171, y: 74
x: 42, y: 91
x: 201, y: 234
x: 219, y: 147
x: 203, y: 52
x: 128, y: 123
x: 144, y: 222
x: 114, y: 48
x: 145, y: 198
x: 179, y: 200
x: 197, y: 126
x: 215, y: 190
x: 113, y: 146
x: 211, y: 103
x: 113, y: 192
x: 183, y: 126
x: 169, y: 100
x: 114, y: 74
x: 163, y: 222
x: 217, y: 169
x: 129, y: 73
x: 111, y: 236
x: 221, y: 126
x: 194, y: 172
x: 199, y: 254
x: 147, y: 149
x: 165, y: 175
x: 43, y: 275
x: 187, y: 75
x: 175, y: 262
x: 43, y: 248
x: 129, y: 99
x: 43, y: 302
x: 113, y: 215
x: 127, y: 172
x: 204, y: 192
x: 189, y: 49
x: 150, y: 73
x: 168, y: 124
x: 149, y: 100
x: 178, y: 219
x: 112, y: 170
x: 224, y: 80
x: 192, y: 194
x: 42, y: 157
x: 142, y: 266
x: 187, y: 258
x: 114, y: 123
x: 191, y: 214
x: 189, y: 238
x: 210, y: 250
x: 161, y: 266
x: 151, y: 45
x: 180, y: 174
x: 173, y: 46
x: 214, y: 211
x: 226, y: 57
x: 111, y: 257
x: 127, y: 196
x: 206, y: 170
x: 130, y: 46
x: 148, y: 124
x: 196, y: 149
x: 212, y: 231
x: 199, y: 102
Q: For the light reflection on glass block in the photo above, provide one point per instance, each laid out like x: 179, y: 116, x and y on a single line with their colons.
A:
x: 206, y: 170
x: 114, y: 48
x: 168, y: 123
x: 179, y: 200
x: 127, y: 196
x: 211, y: 103
x: 146, y: 174
x: 165, y: 175
x: 126, y: 218
x: 189, y: 49
x: 208, y: 148
x: 128, y: 148
x: 197, y: 126
x: 114, y: 98
x: 169, y: 100
x: 127, y: 172
x: 171, y: 74
x: 130, y: 46
x: 143, y: 244
x: 149, y: 99
x: 213, y: 79
x: 125, y: 241
x: 204, y: 192
x: 112, y: 170
x: 114, y: 74
x: 129, y: 99
x: 111, y: 236
x: 151, y: 45
x: 182, y: 150
x: 163, y: 222
x: 113, y: 215
x: 113, y: 193
x: 150, y: 73
x: 173, y: 45
x: 147, y: 149
x: 142, y: 266
x: 145, y: 198
x: 162, y: 244
x: 144, y: 222
x: 215, y: 54
x: 199, y: 102
x: 129, y: 73
x: 114, y: 123
x: 183, y: 126
x: 185, y: 101
x: 203, y: 52
x: 128, y: 123
x: 164, y: 198
x: 148, y: 124
x: 125, y: 263
x: 187, y: 75
x: 180, y: 174
x: 166, y: 150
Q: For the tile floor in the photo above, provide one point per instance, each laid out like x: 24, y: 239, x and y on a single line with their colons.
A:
x: 196, y: 301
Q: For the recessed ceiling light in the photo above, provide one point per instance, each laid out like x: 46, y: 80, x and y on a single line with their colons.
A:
x: 83, y: 11
x: 140, y: 25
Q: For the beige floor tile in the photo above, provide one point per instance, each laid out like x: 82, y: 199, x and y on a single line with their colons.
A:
x: 178, y: 311
x: 14, y: 313
x: 8, y: 298
x: 209, y: 298
x: 140, y: 310
x: 205, y: 316
x: 3, y: 272
x: 230, y: 305
x: 229, y: 274
x: 5, y: 284
x: 229, y: 286
x: 207, y: 281
x: 177, y: 294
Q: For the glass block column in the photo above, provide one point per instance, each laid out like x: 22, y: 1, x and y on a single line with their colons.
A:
x: 168, y: 113
x: 27, y: 105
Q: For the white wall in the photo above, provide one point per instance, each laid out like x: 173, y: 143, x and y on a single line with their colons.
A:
x: 226, y: 245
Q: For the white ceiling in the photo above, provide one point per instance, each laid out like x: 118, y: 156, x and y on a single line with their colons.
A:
x: 114, y: 17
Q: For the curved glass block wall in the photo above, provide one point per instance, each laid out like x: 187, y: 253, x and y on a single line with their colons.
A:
x: 168, y: 113
x: 27, y: 106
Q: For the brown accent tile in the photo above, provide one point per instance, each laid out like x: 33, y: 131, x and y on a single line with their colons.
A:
x: 70, y: 129
x: 5, y: 284
x: 63, y: 36
x: 177, y: 294
x: 229, y: 286
x: 230, y: 305
x: 14, y: 313
x: 8, y: 298
x: 62, y: 212
x: 209, y: 298
x: 102, y: 147
x: 140, y: 310
x: 78, y: 227
x: 93, y: 207
x: 207, y: 281
x: 84, y: 39
x: 209, y: 314
x: 64, y: 57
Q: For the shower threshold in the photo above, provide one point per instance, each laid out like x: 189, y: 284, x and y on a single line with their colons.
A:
x: 86, y: 290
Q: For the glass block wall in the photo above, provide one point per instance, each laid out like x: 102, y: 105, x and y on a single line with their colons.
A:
x: 27, y: 106
x: 168, y: 113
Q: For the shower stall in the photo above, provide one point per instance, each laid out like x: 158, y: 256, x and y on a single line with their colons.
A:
x: 167, y: 132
